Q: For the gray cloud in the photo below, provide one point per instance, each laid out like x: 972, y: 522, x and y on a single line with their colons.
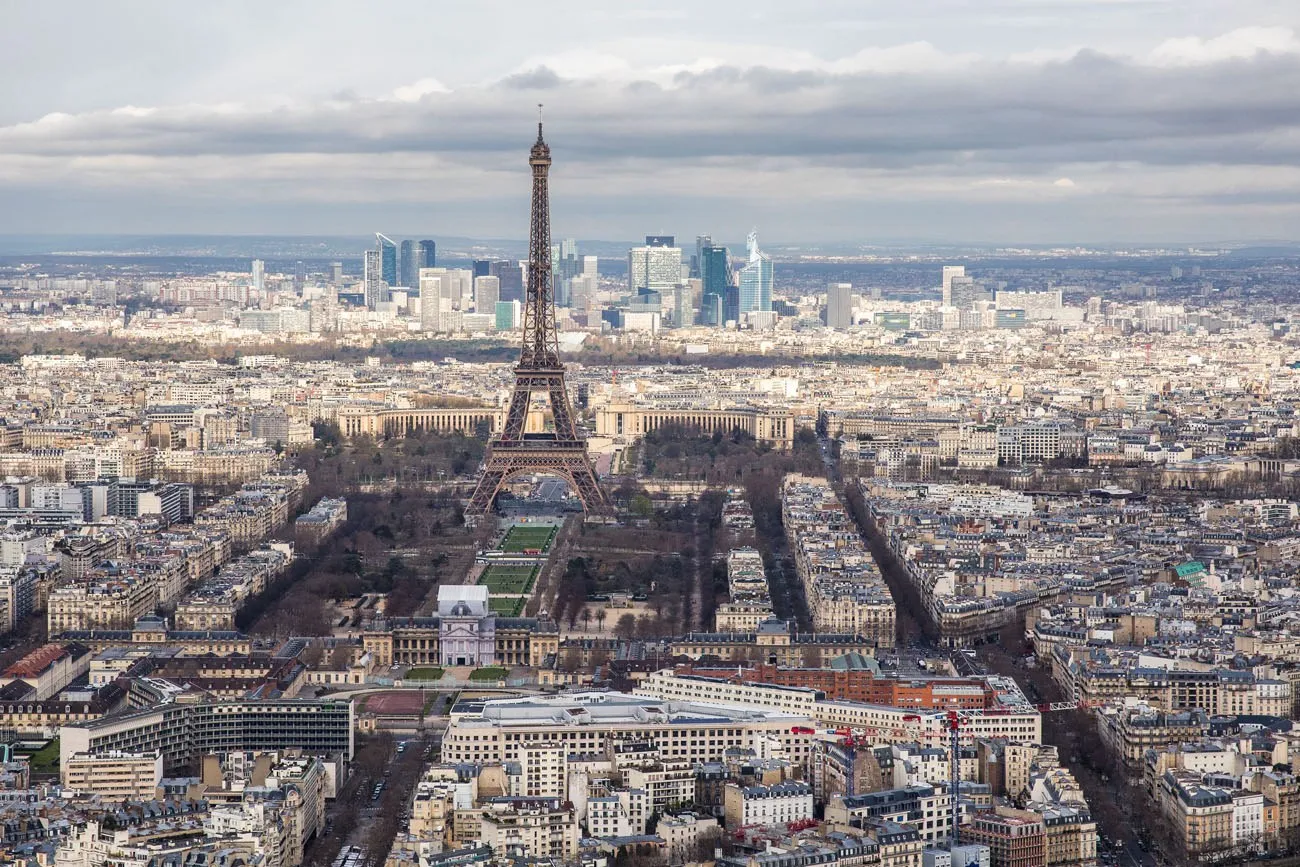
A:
x: 832, y: 146
x: 1088, y: 108
x: 540, y: 78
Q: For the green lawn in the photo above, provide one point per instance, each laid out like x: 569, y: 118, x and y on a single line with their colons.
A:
x: 45, y: 761
x: 507, y: 606
x: 493, y: 673
x: 521, y: 538
x: 508, y: 579
x: 426, y: 673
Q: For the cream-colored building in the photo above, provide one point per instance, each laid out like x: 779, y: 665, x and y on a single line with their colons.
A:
x: 545, y: 769
x: 845, y: 591
x: 741, y: 616
x: 105, y: 605
x: 114, y: 775
x: 778, y: 804
x: 537, y: 828
x: 882, y: 723
x: 204, y: 614
x: 589, y: 722
x: 631, y: 422
x: 667, y: 684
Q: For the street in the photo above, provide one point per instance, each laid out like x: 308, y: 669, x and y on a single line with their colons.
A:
x: 373, y: 804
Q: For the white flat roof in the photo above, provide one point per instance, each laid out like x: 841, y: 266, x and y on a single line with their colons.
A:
x: 462, y: 592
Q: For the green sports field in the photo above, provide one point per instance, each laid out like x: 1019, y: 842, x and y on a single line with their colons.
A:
x: 508, y: 580
x: 507, y: 606
x: 521, y: 538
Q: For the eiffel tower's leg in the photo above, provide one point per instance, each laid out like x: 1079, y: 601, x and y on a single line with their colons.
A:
x: 486, y: 490
x: 517, y: 414
x: 583, y: 477
x: 564, y: 427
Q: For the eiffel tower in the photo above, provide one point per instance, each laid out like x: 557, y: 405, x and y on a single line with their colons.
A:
x: 561, y: 452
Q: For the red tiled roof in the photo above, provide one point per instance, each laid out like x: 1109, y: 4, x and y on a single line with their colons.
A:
x: 36, y: 662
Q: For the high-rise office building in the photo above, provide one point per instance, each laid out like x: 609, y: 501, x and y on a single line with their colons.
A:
x: 731, y: 304
x: 590, y: 266
x: 566, y: 265
x: 559, y: 289
x: 387, y: 259
x: 655, y: 267
x: 686, y: 302
x: 697, y: 260
x: 336, y: 273
x: 458, y: 286
x: 582, y: 292
x: 433, y: 303
x: 949, y: 272
x: 408, y: 271
x: 755, y: 279
x: 427, y: 255
x: 259, y: 275
x: 482, y: 267
x: 964, y: 293
x: 487, y: 292
x: 716, y: 279
x: 372, y: 279
x: 511, y: 275
x: 570, y: 263
x: 839, y: 305
x: 508, y: 314
x: 444, y: 292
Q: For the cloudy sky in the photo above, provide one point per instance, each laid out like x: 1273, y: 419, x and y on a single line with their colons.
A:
x: 1003, y: 121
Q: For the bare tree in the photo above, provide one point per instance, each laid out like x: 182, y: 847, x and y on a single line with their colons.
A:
x: 341, y: 656
x: 571, y: 661
x: 625, y: 628
x: 312, y: 655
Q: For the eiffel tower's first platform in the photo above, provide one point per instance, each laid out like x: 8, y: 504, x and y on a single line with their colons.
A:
x: 561, y: 451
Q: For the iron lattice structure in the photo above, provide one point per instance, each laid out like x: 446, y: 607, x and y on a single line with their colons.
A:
x: 561, y: 452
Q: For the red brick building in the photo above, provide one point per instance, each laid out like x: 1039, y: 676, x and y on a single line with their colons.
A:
x: 1016, y: 838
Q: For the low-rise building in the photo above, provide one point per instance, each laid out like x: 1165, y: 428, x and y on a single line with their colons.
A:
x: 767, y: 805
x: 112, y: 774
x: 529, y: 827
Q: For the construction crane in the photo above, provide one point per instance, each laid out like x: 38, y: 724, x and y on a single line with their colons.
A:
x: 950, y: 728
x: 952, y: 722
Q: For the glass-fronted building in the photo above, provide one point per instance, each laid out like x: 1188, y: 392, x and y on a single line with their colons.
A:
x: 755, y: 279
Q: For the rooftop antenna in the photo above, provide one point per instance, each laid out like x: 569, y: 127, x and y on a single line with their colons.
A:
x: 539, y: 121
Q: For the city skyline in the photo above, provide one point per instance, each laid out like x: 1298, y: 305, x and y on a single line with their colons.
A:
x: 1026, y: 122
x: 951, y: 518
